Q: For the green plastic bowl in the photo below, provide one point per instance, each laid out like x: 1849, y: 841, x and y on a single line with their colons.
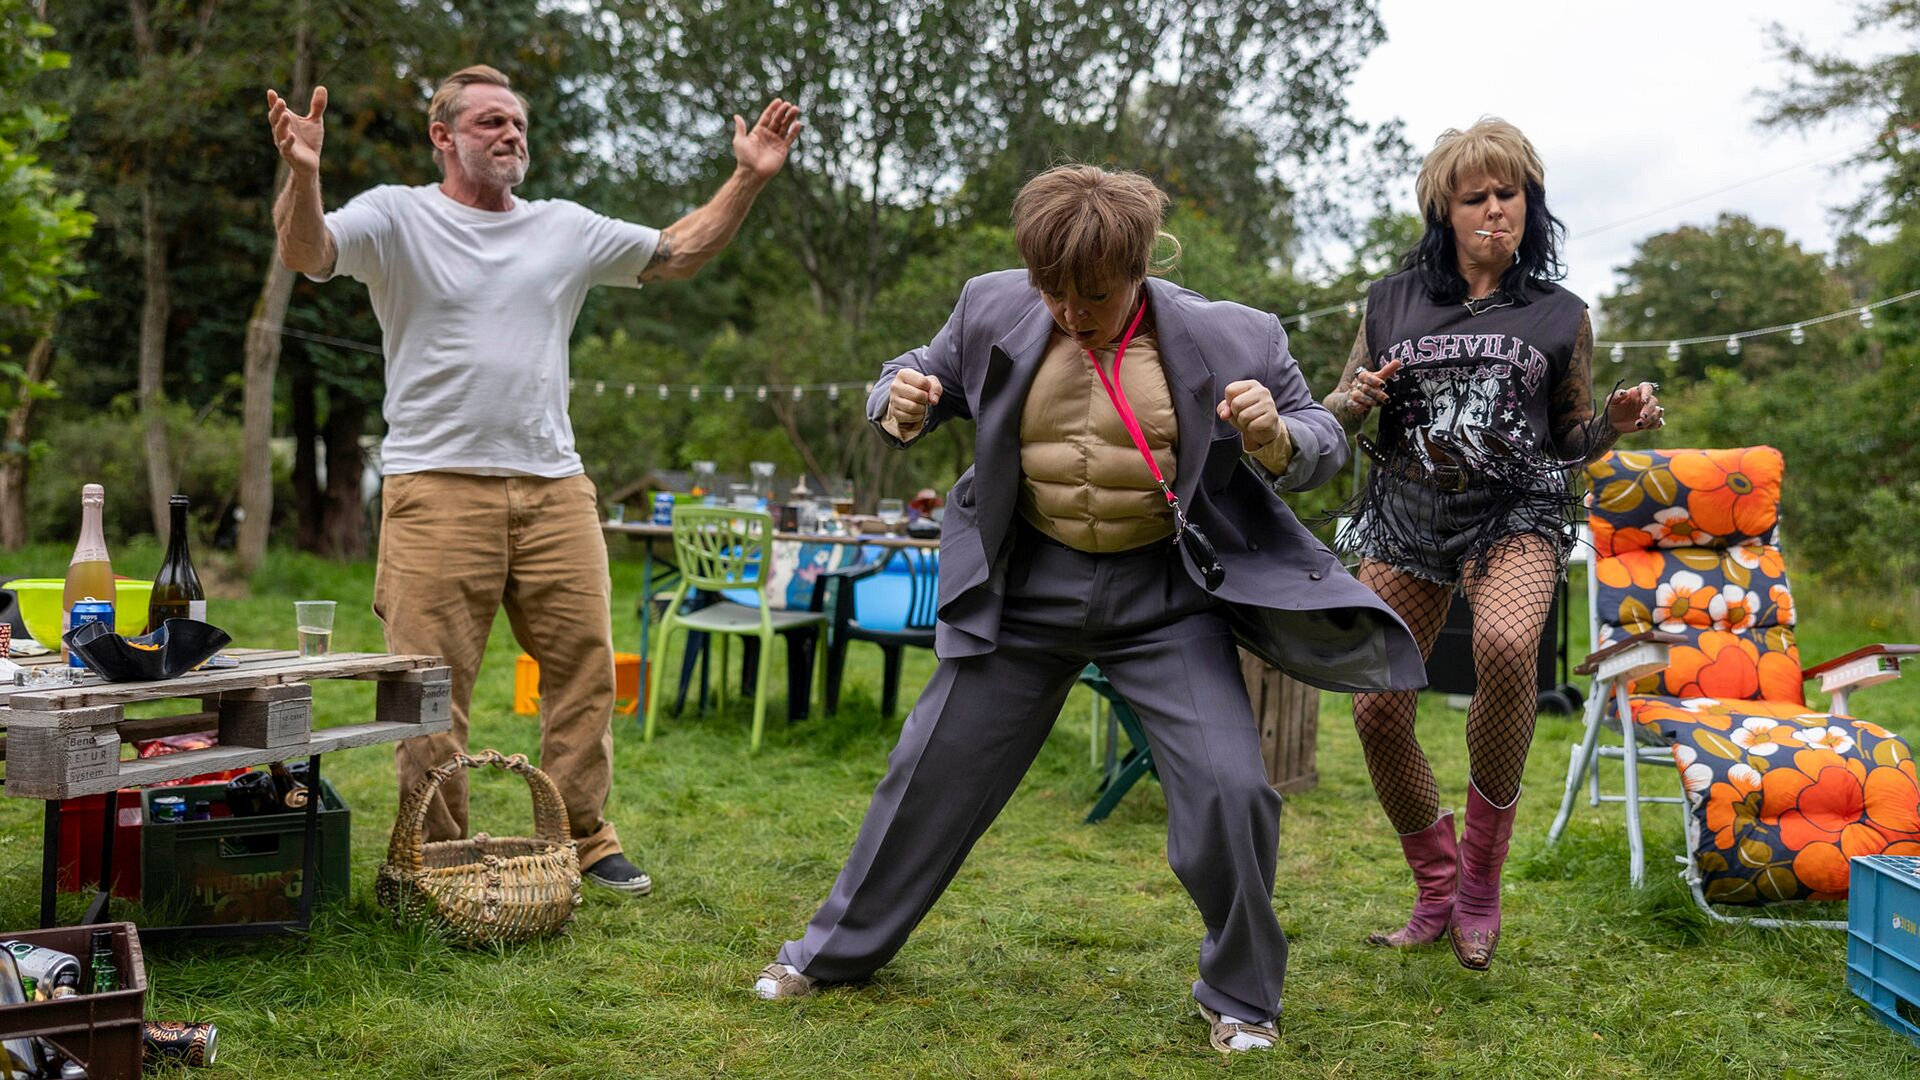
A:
x: 40, y: 607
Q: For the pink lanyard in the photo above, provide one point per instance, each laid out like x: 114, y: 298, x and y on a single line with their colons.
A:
x: 1118, y: 395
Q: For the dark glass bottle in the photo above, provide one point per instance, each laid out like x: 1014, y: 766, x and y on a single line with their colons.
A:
x: 292, y: 793
x: 176, y: 588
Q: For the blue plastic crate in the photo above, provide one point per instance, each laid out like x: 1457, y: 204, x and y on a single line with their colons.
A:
x: 1883, y: 938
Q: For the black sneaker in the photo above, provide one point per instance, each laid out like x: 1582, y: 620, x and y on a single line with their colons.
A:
x: 616, y: 872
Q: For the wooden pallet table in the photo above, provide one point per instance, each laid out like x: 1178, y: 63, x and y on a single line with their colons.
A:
x: 63, y: 742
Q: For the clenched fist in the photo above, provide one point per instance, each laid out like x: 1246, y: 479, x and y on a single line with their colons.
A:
x: 1248, y: 406
x: 910, y: 398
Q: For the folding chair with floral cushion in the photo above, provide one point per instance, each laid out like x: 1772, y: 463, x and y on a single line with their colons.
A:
x: 1692, y: 623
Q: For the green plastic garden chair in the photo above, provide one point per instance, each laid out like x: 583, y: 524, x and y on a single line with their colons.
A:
x: 1120, y: 775
x: 721, y: 549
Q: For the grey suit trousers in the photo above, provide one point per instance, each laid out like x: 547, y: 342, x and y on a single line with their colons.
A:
x: 1159, y: 638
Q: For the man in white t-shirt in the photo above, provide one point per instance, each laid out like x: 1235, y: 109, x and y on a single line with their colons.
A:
x: 485, y: 502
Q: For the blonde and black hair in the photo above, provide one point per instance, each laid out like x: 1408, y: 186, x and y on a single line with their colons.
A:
x: 1491, y: 147
x: 1090, y: 228
x: 450, y: 97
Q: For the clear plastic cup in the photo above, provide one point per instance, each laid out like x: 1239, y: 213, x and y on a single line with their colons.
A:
x: 313, y: 619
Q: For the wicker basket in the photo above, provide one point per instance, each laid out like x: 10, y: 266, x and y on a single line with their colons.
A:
x: 484, y: 889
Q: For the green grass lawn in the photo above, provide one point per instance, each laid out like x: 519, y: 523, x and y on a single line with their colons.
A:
x: 1061, y: 949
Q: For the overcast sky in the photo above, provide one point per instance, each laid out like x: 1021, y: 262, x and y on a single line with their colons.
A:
x: 1634, y: 106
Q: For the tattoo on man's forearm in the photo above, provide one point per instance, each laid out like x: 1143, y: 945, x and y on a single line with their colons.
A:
x: 662, y: 251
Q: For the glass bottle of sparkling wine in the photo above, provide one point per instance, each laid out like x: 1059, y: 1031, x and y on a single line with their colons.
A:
x: 176, y: 588
x: 90, y: 574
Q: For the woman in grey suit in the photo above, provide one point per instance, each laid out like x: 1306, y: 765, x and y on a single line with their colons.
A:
x: 1108, y: 518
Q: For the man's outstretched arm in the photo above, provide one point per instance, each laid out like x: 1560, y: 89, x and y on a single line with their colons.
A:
x: 298, y: 216
x: 687, y: 244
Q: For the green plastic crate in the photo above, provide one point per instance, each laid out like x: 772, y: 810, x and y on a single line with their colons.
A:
x: 236, y: 870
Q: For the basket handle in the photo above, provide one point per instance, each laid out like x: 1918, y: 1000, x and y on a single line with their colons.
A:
x: 408, y: 845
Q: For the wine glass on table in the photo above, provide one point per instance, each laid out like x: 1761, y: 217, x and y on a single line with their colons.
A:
x: 892, y: 514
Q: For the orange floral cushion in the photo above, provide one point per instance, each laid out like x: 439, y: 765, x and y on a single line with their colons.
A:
x: 1653, y: 499
x: 1784, y: 796
x: 1732, y: 604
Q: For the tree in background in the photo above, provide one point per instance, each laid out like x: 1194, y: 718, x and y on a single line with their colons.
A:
x: 170, y: 140
x: 1854, y: 420
x: 1733, y: 276
x: 42, y: 229
x: 923, y: 119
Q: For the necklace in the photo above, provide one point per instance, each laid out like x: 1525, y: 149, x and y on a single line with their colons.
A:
x: 1485, y: 303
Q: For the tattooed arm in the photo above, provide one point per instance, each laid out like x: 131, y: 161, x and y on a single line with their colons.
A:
x: 687, y: 244
x: 1343, y: 403
x: 1579, y: 435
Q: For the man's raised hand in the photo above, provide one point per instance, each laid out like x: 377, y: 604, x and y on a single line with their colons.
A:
x: 763, y: 149
x: 298, y: 138
x: 911, y: 397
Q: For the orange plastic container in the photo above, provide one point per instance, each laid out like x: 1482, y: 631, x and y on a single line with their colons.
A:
x: 629, y: 688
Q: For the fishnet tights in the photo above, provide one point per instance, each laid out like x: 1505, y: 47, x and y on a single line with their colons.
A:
x: 1510, y: 601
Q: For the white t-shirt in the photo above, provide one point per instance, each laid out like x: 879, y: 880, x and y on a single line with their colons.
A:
x: 476, y: 308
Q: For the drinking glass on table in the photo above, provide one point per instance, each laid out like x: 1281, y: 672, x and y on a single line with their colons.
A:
x: 841, y: 492
x: 314, y: 621
x: 892, y: 514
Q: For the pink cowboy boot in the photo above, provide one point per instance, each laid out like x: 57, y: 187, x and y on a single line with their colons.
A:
x: 1434, y: 857
x: 1476, y: 907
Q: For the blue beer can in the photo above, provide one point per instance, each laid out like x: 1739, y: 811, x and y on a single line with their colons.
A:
x: 86, y: 611
x: 168, y: 809
x: 663, y: 508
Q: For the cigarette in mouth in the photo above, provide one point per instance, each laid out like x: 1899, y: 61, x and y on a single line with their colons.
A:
x: 1481, y: 232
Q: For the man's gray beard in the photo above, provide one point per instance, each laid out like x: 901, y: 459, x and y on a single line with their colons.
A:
x: 486, y: 167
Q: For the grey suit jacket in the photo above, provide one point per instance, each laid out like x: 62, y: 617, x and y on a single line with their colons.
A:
x: 1287, y: 597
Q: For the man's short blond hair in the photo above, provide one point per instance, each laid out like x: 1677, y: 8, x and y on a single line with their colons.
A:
x: 450, y: 98
x: 1089, y: 227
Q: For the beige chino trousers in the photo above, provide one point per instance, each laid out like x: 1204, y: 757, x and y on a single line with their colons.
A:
x: 453, y: 549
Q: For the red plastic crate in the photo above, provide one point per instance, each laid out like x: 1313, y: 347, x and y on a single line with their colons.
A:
x: 79, y: 851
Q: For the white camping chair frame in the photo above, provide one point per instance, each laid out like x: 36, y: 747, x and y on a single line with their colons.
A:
x: 1615, y: 669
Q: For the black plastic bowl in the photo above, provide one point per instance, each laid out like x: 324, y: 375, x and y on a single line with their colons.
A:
x: 180, y: 645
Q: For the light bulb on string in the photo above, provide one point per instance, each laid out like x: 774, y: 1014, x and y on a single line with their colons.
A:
x: 1617, y: 354
x: 1306, y: 320
x: 1866, y: 318
x: 570, y: 386
x: 599, y: 388
x: 1733, y: 345
x: 693, y: 393
x: 760, y: 394
x: 833, y: 392
x: 797, y: 392
x: 726, y: 393
x: 630, y: 389
x: 662, y: 391
x: 1798, y: 335
x: 1673, y: 352
x: 1353, y: 308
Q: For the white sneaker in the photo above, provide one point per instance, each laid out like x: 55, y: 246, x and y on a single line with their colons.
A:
x: 781, y: 981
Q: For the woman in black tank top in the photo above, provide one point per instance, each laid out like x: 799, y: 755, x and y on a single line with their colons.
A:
x: 1480, y: 367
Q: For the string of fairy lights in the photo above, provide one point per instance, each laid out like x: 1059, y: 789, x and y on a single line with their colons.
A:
x: 1616, y: 351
